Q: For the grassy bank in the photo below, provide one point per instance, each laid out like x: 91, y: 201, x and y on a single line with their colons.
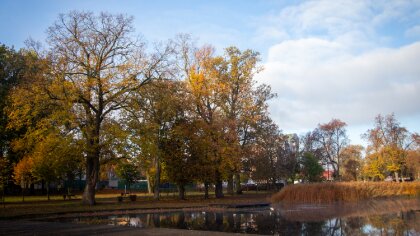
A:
x: 344, y: 191
x: 14, y: 209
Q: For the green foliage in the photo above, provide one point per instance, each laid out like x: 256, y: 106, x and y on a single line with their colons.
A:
x: 311, y: 169
x: 128, y: 171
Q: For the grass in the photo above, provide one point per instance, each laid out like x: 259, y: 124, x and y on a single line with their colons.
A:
x: 36, y: 207
x: 344, y: 191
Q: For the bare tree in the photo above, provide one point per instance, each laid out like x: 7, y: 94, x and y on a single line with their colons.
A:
x: 332, y: 138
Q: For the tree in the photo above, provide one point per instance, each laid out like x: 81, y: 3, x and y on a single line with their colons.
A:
x: 242, y: 103
x: 204, y: 89
x: 289, y: 156
x: 266, y: 153
x: 388, y: 146
x: 4, y: 175
x: 54, y: 158
x: 352, y: 162
x: 12, y: 66
x: 22, y: 174
x: 332, y: 138
x: 128, y: 171
x: 413, y: 163
x: 152, y: 113
x: 311, y: 169
x: 95, y: 65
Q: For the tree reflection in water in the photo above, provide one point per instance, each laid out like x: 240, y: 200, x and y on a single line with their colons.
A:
x: 398, y: 219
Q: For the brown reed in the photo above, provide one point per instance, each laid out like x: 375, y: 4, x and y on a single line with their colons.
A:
x: 344, y: 191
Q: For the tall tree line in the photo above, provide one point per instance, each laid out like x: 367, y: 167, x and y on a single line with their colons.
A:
x: 97, y: 94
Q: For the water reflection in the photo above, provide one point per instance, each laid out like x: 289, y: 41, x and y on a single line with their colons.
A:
x: 290, y: 220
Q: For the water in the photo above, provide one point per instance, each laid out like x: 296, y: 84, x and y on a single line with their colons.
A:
x: 386, y: 217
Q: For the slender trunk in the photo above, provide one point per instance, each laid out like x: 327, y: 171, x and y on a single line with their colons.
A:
x: 206, y: 190
x: 42, y: 187
x: 23, y: 193
x: 397, y: 179
x: 274, y: 187
x: 48, y: 190
x: 219, y: 185
x: 157, y: 179
x: 4, y: 196
x: 149, y: 185
x: 32, y: 189
x: 238, y: 183
x: 181, y: 192
x: 230, y: 184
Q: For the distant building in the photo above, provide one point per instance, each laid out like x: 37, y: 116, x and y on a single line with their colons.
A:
x: 328, y: 175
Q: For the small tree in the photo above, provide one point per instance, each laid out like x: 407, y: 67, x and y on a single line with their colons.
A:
x: 129, y: 172
x: 23, y: 174
x: 4, y: 174
x: 311, y: 169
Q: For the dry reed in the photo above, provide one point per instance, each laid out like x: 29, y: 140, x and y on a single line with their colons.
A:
x: 344, y: 191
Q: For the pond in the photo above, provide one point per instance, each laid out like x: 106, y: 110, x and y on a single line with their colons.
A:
x: 379, y: 217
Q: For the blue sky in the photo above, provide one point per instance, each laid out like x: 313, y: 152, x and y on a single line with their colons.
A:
x: 325, y: 59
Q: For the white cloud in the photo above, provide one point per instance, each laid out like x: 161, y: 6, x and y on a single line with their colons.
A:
x: 338, y: 59
x: 413, y: 32
x: 317, y: 80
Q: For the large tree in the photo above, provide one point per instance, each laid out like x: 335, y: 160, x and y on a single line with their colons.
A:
x: 332, y: 138
x: 388, y: 147
x: 151, y: 115
x: 243, y: 104
x: 352, y: 162
x: 96, y: 63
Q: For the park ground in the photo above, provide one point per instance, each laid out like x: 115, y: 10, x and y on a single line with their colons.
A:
x: 38, y: 207
x: 32, y: 216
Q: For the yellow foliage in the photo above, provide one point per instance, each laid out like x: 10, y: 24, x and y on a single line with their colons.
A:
x: 22, y: 172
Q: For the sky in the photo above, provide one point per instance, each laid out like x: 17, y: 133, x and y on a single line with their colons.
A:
x: 350, y: 60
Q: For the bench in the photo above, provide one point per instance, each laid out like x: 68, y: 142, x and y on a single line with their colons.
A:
x: 68, y: 196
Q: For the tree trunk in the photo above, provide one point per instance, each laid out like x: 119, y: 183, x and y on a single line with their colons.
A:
x: 397, y: 179
x: 206, y: 190
x: 32, y: 189
x: 93, y: 150
x: 219, y: 185
x: 181, y: 192
x: 157, y: 180
x: 23, y: 193
x: 92, y: 171
x: 238, y: 183
x: 149, y: 185
x: 48, y: 190
x: 230, y: 184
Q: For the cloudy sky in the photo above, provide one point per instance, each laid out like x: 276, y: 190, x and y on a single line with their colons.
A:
x: 327, y: 59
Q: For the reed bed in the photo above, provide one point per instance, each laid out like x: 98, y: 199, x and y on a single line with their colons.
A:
x: 312, y: 213
x: 344, y: 191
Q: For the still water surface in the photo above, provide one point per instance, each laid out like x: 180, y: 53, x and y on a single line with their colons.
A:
x: 386, y: 217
